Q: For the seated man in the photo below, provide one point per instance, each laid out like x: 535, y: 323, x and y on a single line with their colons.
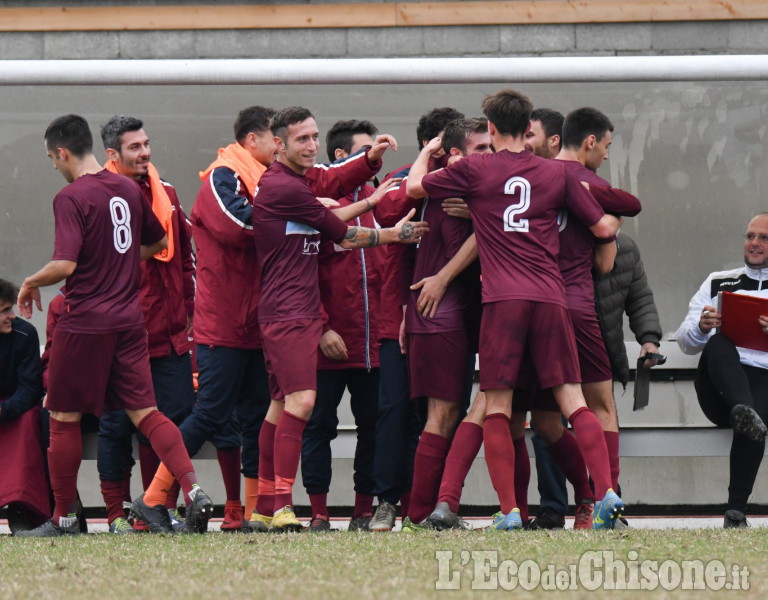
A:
x: 732, y: 383
x: 23, y: 486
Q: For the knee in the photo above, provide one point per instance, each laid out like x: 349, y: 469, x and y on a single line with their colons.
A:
x: 300, y: 403
x: 549, y: 428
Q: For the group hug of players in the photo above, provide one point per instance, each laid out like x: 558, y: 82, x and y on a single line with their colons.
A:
x: 294, y: 304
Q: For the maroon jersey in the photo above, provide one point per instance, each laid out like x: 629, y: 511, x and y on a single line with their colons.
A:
x: 515, y: 199
x: 445, y: 237
x: 287, y: 222
x: 577, y: 241
x: 101, y: 221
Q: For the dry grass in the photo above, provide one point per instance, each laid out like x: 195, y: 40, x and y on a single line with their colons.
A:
x: 340, y: 565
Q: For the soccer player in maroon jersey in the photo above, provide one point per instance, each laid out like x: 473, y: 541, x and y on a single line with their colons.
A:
x: 441, y: 348
x: 99, y: 358
x: 543, y: 138
x: 399, y: 421
x: 288, y: 221
x: 515, y: 198
x: 586, y: 138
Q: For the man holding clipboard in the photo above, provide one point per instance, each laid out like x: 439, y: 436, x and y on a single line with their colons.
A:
x: 732, y: 380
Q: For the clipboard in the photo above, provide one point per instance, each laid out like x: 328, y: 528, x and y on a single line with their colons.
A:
x: 739, y: 314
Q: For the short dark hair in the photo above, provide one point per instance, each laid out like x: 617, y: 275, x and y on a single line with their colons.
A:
x: 457, y: 132
x: 70, y: 132
x: 253, y: 119
x: 434, y: 122
x: 551, y: 121
x: 287, y: 117
x: 583, y: 122
x: 112, y: 132
x: 339, y: 136
x: 509, y: 111
x: 8, y: 292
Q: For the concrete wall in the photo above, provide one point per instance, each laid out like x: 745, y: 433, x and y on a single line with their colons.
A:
x: 734, y: 37
x: 701, y: 37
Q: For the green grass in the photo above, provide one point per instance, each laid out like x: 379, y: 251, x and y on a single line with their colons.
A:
x: 341, y: 565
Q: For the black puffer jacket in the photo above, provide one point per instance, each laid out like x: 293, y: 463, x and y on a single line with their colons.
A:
x: 625, y: 289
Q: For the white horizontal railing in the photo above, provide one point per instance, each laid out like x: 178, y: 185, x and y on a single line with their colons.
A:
x: 384, y: 70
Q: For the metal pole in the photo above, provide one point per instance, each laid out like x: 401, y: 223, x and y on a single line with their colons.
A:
x: 384, y: 70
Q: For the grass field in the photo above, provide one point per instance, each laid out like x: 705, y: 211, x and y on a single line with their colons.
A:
x: 361, y: 565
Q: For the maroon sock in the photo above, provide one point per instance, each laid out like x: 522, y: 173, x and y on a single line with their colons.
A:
x: 265, y: 503
x: 522, y: 476
x: 172, y: 497
x: 363, y: 505
x: 464, y: 448
x: 288, y: 434
x: 229, y: 463
x: 168, y: 444
x: 612, y: 443
x: 589, y: 435
x: 112, y: 492
x: 64, y: 455
x: 319, y: 504
x: 500, y: 457
x: 405, y: 504
x: 567, y: 456
x: 149, y: 462
x: 427, y: 472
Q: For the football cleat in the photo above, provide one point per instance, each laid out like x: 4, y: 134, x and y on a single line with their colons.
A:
x: 607, y: 511
x: 285, y: 520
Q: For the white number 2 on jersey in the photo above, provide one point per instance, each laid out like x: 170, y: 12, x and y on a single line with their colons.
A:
x: 511, y: 220
x: 121, y: 220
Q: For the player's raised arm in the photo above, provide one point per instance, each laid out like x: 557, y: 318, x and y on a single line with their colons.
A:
x: 420, y: 168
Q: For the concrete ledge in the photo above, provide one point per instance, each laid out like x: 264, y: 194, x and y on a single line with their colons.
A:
x: 660, y: 467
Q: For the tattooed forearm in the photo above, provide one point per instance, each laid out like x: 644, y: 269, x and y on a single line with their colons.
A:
x: 362, y: 237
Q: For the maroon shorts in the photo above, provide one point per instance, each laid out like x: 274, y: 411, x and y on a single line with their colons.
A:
x: 437, y: 364
x: 593, y: 359
x: 290, y: 354
x: 91, y: 371
x: 509, y: 327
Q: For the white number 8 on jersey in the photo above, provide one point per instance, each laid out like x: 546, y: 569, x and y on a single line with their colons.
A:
x: 121, y: 220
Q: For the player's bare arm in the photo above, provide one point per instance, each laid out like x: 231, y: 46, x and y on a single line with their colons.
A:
x: 606, y: 227
x: 380, y: 145
x: 603, y: 257
x: 52, y: 273
x: 347, y: 213
x: 420, y: 168
x: 404, y: 232
x: 433, y: 287
x: 148, y: 252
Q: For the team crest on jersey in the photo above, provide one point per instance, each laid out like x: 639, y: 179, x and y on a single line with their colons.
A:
x: 311, y: 247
